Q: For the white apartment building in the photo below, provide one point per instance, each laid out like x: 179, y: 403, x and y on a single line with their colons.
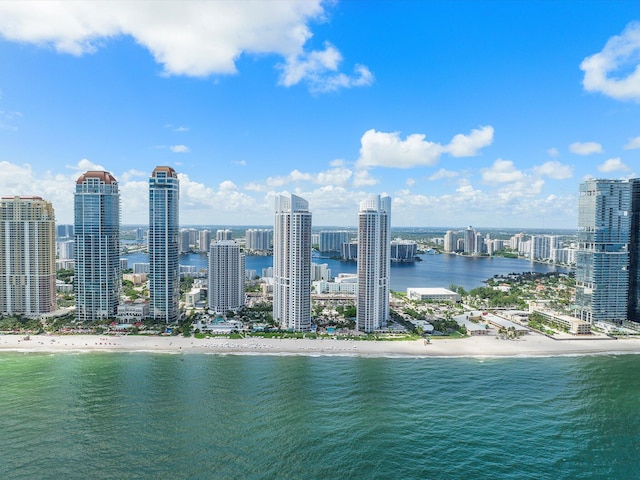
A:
x: 226, y: 277
x: 292, y: 263
x: 374, y: 263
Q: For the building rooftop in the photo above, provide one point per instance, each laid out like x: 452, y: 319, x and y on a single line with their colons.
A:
x: 168, y: 170
x: 432, y: 291
x: 103, y: 176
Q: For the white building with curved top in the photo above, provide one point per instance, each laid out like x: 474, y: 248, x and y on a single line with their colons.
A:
x: 292, y: 263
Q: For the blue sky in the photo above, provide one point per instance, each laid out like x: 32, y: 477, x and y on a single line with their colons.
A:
x: 465, y: 112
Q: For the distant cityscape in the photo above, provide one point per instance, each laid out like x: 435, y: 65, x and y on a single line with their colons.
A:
x: 605, y: 252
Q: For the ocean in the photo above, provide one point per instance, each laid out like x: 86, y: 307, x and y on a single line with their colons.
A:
x: 157, y: 416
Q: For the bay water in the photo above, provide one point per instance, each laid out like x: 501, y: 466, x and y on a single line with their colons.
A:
x: 185, y: 416
x: 432, y: 271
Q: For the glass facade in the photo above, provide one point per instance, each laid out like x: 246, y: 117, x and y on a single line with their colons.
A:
x: 633, y: 311
x: 97, y: 280
x: 603, y: 263
x: 164, y: 244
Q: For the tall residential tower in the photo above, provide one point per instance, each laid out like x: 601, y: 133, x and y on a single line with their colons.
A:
x: 97, y: 280
x: 374, y: 262
x: 602, y: 265
x: 292, y: 263
x: 226, y: 277
x: 163, y: 239
x: 27, y: 256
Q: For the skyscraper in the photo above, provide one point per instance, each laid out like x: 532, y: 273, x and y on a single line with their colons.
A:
x: 469, y: 240
x: 292, y: 263
x: 97, y: 280
x: 163, y: 238
x: 258, y: 239
x: 602, y: 265
x: 633, y: 311
x: 204, y: 240
x: 374, y: 262
x: 331, y: 241
x: 450, y: 241
x: 27, y: 256
x: 225, y: 234
x: 226, y: 277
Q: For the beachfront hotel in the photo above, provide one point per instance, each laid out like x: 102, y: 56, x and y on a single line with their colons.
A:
x: 374, y: 263
x: 97, y: 280
x: 606, y: 273
x: 292, y: 263
x: 28, y: 258
x: 164, y: 244
x: 226, y: 277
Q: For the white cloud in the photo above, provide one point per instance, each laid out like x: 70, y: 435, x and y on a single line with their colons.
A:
x: 613, y: 165
x: 521, y: 202
x: 86, y: 165
x: 443, y: 173
x: 554, y: 170
x: 242, y: 163
x: 502, y: 171
x: 382, y: 149
x: 362, y: 178
x: 199, y: 201
x: 620, y: 54
x: 319, y: 69
x: 176, y: 129
x: 131, y: 174
x: 335, y: 176
x: 179, y: 149
x: 468, y: 145
x: 634, y: 143
x: 410, y: 182
x: 189, y: 38
x: 8, y: 119
x: 585, y: 148
x: 255, y: 187
x: 553, y: 152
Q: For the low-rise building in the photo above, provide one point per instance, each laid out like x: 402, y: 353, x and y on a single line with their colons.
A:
x: 132, y: 312
x: 136, y: 278
x: 433, y: 294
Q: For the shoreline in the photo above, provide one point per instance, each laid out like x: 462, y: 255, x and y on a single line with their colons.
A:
x: 482, y: 346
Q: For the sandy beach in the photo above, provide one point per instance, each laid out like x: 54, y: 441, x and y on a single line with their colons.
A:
x: 475, y: 346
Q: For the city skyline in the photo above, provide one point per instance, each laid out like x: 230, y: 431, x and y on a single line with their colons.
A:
x: 491, y: 113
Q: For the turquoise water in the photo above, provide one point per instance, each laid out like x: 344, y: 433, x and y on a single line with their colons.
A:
x: 140, y: 415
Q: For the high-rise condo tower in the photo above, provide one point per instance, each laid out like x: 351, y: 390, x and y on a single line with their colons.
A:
x: 374, y: 262
x: 292, y: 263
x: 97, y: 279
x: 163, y: 239
x: 602, y: 263
x: 27, y: 256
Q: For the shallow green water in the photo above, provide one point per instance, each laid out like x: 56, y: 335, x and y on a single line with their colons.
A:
x: 141, y: 415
